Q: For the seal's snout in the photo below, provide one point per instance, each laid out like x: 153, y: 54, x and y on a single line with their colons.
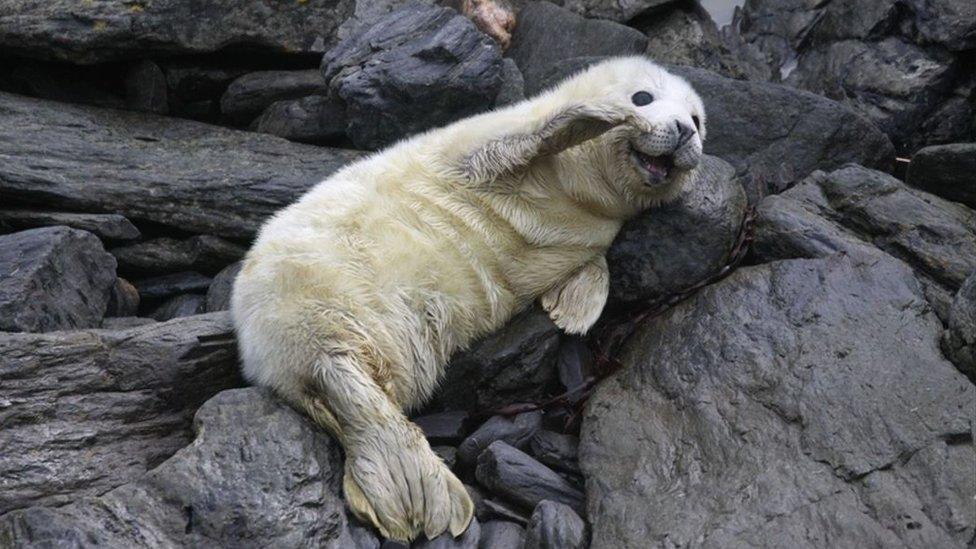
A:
x: 685, y: 133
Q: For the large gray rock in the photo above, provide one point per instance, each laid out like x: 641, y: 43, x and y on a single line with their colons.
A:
x: 800, y: 403
x: 159, y: 287
x: 252, y: 93
x: 110, y: 227
x: 855, y: 208
x: 517, y: 432
x: 185, y: 175
x: 312, y: 119
x: 86, y: 411
x: 515, y: 476
x: 546, y: 34
x: 672, y: 247
x: 554, y: 525
x: 959, y: 341
x: 257, y: 475
x: 93, y: 32
x: 515, y: 364
x: 203, y: 253
x: 468, y: 540
x: 416, y: 68
x: 180, y: 306
x: 948, y: 171
x: 772, y: 134
x: 54, y: 278
x: 909, y: 54
x: 219, y: 292
x: 614, y: 10
x: 499, y: 534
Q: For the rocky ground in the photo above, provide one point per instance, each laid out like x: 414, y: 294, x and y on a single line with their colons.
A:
x: 818, y: 394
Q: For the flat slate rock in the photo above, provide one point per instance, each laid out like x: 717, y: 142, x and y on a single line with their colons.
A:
x: 258, y: 474
x: 517, y: 477
x: 312, y: 119
x: 186, y: 175
x: 500, y: 534
x: 219, y: 292
x: 794, y: 404
x: 251, y: 93
x: 948, y: 171
x: 554, y: 525
x: 854, y: 208
x: 203, y: 253
x: 159, y: 287
x: 94, y: 32
x: 86, y: 411
x: 180, y: 306
x: 53, y: 278
x: 110, y: 227
x: 959, y: 340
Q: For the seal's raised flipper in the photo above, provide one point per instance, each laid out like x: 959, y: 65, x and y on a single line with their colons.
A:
x: 530, y: 135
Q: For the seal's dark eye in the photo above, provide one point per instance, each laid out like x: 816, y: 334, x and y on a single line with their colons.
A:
x: 697, y: 122
x: 642, y: 98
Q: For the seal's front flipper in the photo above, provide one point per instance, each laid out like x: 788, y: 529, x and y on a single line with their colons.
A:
x: 576, y: 304
x: 529, y: 139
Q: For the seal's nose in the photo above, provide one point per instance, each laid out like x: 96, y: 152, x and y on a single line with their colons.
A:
x: 685, y: 133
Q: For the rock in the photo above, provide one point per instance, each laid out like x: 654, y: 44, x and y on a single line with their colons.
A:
x: 512, y: 89
x: 613, y: 10
x: 546, y: 34
x: 448, y: 455
x: 185, y: 175
x: 959, y: 340
x: 218, y: 294
x: 557, y: 450
x: 516, y: 432
x: 203, y: 253
x: 109, y: 227
x: 258, y: 474
x: 855, y: 208
x: 125, y: 322
x: 795, y: 403
x: 180, y: 306
x: 948, y: 171
x: 517, y: 477
x: 123, y: 300
x: 189, y: 81
x: 313, y: 119
x: 86, y: 411
x: 467, y: 540
x: 772, y: 134
x: 443, y: 427
x: 252, y: 93
x: 515, y: 364
x: 672, y: 247
x: 98, y: 32
x: 555, y: 526
x: 487, y: 509
x: 65, y: 83
x: 160, y: 287
x: 54, y: 278
x: 145, y: 88
x: 362, y: 537
x: 499, y: 534
x: 417, y: 68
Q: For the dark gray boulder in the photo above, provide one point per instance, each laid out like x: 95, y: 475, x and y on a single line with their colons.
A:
x: 86, y: 411
x: 219, y: 292
x: 512, y: 89
x: 204, y: 253
x: 855, y: 208
x: 515, y: 364
x: 467, y: 540
x: 517, y: 432
x: 500, y: 534
x: 796, y: 403
x: 669, y: 248
x: 185, y: 175
x: 94, y: 86
x: 557, y: 450
x: 948, y: 171
x: 443, y: 427
x: 53, y: 278
x: 123, y: 300
x: 546, y: 34
x: 313, y: 119
x: 517, y: 477
x: 413, y: 69
x: 772, y: 134
x: 258, y: 474
x: 108, y: 227
x: 104, y: 31
x: 554, y: 525
x: 180, y: 306
x: 252, y: 93
x: 159, y: 287
x: 614, y: 10
x: 959, y: 340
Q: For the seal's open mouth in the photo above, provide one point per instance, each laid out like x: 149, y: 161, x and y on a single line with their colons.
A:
x: 656, y: 168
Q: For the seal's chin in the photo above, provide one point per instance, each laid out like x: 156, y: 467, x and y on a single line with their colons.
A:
x: 655, y: 169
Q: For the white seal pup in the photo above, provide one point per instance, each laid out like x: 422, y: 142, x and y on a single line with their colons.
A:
x: 352, y: 300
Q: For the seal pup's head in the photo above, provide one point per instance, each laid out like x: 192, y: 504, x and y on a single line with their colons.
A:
x: 658, y: 150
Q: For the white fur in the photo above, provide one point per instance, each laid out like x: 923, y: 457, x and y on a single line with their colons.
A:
x: 353, y: 299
